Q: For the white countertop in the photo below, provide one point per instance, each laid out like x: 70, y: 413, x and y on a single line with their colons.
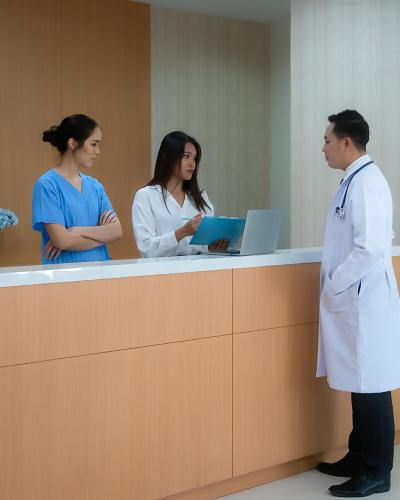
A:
x: 63, y: 273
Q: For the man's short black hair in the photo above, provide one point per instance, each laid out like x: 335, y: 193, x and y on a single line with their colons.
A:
x: 349, y: 123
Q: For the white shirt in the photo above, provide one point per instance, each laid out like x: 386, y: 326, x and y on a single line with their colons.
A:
x: 155, y: 221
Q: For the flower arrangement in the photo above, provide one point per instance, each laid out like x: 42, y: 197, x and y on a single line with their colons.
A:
x: 7, y: 218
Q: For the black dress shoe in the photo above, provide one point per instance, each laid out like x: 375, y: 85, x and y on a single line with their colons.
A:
x: 360, y: 486
x: 342, y: 468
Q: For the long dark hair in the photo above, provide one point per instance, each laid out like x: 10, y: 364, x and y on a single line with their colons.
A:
x: 171, y: 152
x: 78, y: 127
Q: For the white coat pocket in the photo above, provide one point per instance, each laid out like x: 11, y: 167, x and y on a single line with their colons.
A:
x: 376, y: 289
x: 343, y: 301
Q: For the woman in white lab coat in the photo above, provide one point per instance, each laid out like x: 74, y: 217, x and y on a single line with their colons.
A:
x: 167, y: 212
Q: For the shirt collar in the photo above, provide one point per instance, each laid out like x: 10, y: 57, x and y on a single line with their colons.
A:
x: 160, y: 190
x: 355, y: 165
x: 168, y: 195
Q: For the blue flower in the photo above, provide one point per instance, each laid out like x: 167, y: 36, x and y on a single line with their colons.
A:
x: 7, y: 218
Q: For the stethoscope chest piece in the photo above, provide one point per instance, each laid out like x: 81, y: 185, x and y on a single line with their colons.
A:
x: 339, y: 213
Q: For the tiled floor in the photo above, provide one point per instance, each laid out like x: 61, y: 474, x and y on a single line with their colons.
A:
x: 312, y: 485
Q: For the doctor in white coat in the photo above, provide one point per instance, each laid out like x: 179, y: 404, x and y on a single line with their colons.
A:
x: 359, y: 331
x: 167, y: 212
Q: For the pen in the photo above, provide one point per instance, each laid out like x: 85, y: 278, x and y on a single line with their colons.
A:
x: 188, y: 218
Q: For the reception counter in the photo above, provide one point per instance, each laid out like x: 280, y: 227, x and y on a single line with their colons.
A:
x: 186, y: 378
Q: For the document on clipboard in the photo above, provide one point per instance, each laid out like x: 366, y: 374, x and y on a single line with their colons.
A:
x: 212, y: 229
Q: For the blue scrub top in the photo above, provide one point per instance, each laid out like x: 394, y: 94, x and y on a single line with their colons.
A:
x: 57, y: 201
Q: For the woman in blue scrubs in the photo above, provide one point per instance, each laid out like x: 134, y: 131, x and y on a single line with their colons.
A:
x: 71, y: 210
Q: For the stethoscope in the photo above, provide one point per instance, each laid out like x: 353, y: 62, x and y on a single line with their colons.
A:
x: 339, y: 211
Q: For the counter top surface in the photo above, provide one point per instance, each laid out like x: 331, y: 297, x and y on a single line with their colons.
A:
x: 62, y: 273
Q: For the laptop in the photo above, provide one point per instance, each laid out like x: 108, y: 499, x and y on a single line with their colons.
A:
x: 261, y: 233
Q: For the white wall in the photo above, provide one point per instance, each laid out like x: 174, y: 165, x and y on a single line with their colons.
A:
x: 344, y: 54
x: 211, y: 79
x: 280, y: 125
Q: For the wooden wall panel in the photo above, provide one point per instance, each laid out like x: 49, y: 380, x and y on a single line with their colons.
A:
x: 281, y: 411
x: 396, y: 394
x: 138, y: 424
x: 30, y: 100
x: 275, y: 296
x: 106, y: 74
x: 59, y: 57
x: 212, y: 79
x: 396, y: 267
x: 69, y: 319
x: 322, y: 85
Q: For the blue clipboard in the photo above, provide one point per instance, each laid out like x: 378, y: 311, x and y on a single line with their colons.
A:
x: 212, y: 229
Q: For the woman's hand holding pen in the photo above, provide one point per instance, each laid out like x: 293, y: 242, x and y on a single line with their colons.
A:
x: 189, y: 228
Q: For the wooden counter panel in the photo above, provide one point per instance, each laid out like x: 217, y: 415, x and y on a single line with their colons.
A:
x: 396, y: 267
x: 281, y: 412
x: 270, y: 297
x: 67, y: 319
x: 138, y: 424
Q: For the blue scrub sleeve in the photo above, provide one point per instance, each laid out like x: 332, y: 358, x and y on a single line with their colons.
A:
x: 46, y: 207
x: 105, y: 203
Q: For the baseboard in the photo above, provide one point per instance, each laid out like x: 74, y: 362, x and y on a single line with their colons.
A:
x: 240, y: 483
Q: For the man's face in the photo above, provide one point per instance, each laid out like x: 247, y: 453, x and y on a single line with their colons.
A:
x: 334, y: 149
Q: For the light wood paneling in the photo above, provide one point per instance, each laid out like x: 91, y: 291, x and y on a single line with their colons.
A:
x: 138, y: 424
x: 59, y: 57
x: 240, y: 483
x: 69, y: 319
x: 246, y: 481
x: 396, y: 394
x: 344, y: 54
x: 211, y: 78
x: 163, y: 420
x: 106, y: 74
x: 396, y: 267
x: 281, y: 412
x: 270, y: 297
x: 280, y: 125
x: 30, y: 100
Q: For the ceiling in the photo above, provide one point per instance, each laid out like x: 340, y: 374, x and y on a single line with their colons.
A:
x: 263, y: 11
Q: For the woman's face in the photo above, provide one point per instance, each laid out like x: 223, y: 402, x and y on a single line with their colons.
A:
x: 188, y: 163
x: 88, y: 152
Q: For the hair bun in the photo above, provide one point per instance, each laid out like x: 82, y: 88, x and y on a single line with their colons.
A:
x: 50, y: 135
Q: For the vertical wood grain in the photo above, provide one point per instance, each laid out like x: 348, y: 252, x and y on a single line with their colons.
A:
x: 59, y: 320
x: 30, y: 100
x: 275, y: 296
x: 281, y: 411
x: 61, y: 57
x: 344, y: 54
x: 106, y: 74
x: 211, y: 78
x: 138, y: 424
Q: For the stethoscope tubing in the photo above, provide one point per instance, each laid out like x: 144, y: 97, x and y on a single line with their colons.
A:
x: 339, y: 211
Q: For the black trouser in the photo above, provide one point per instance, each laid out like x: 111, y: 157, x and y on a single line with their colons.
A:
x: 371, y: 442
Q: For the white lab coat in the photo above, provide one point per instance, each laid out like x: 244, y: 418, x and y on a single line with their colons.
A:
x: 359, y: 327
x: 155, y: 222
